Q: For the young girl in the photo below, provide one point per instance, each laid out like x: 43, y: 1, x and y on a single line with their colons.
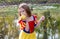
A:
x: 27, y: 22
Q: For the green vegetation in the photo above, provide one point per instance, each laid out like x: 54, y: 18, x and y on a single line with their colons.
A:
x: 9, y: 13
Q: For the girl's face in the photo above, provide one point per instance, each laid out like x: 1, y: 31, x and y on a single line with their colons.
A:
x: 22, y: 11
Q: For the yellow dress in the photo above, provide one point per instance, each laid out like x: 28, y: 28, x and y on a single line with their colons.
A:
x: 24, y: 35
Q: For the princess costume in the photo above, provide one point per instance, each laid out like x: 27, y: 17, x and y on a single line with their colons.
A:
x: 30, y: 34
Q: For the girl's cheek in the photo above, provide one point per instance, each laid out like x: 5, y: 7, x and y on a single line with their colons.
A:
x: 18, y: 11
x: 24, y: 13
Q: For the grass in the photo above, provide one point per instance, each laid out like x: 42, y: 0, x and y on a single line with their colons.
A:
x: 12, y: 11
x: 8, y: 10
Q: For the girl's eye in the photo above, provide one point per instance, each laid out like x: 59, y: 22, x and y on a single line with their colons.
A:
x: 23, y: 11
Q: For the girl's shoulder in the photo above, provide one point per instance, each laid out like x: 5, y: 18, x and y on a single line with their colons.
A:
x: 32, y: 18
x: 35, y: 16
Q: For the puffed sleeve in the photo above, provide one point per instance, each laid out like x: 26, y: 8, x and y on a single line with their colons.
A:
x: 35, y: 20
x: 22, y: 24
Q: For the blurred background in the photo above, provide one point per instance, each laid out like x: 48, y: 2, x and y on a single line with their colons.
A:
x: 49, y: 28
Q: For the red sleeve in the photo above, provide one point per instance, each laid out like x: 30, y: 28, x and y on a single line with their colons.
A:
x: 22, y: 24
x: 35, y: 20
x: 35, y: 16
x: 19, y: 21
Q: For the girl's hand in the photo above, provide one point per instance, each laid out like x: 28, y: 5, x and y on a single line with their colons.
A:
x: 42, y: 18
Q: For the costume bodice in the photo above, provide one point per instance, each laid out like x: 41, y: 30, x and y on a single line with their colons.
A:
x: 32, y: 24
